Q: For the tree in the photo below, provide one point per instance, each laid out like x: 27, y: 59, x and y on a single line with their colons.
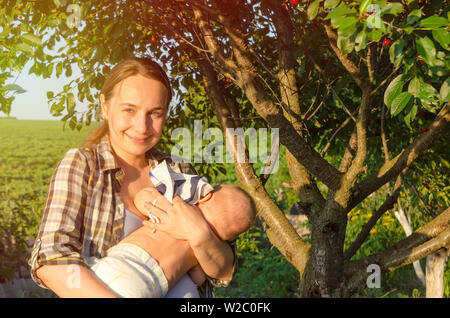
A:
x: 344, y: 81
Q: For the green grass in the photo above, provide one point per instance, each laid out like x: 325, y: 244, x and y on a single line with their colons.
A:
x: 29, y: 153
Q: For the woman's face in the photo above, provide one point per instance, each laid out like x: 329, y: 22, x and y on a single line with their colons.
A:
x: 135, y: 114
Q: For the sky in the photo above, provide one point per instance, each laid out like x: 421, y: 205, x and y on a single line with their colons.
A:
x: 33, y: 104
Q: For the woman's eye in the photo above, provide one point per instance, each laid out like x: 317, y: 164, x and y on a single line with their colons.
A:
x: 157, y: 114
x: 128, y: 110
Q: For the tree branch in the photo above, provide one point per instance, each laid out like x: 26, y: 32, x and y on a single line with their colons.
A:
x: 280, y: 231
x: 365, y: 231
x: 346, y: 62
x: 226, y: 63
x: 401, y: 161
x: 424, y: 241
x: 383, y: 135
x: 248, y: 80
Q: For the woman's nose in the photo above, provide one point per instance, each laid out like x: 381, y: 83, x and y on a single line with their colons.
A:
x: 141, y: 124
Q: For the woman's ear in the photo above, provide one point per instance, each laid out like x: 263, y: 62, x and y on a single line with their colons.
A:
x: 103, y: 106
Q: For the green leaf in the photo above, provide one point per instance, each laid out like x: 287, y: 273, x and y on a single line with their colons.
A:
x: 25, y: 48
x: 392, y: 8
x: 393, y: 89
x: 428, y: 94
x: 59, y: 69
x: 338, y: 14
x: 313, y: 9
x: 399, y: 103
x: 70, y: 102
x: 411, y: 112
x: 364, y: 5
x: 442, y: 36
x: 50, y: 94
x: 72, y: 122
x: 445, y: 90
x: 414, y: 16
x: 331, y: 4
x: 408, y: 29
x: 396, y: 52
x: 68, y: 70
x: 415, y: 86
x: 347, y: 26
x: 14, y: 87
x: 434, y: 22
x: 345, y: 44
x: 426, y: 50
x: 376, y: 34
x: 31, y: 39
x: 361, y: 41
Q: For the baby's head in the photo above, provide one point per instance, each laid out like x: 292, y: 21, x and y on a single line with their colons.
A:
x: 229, y: 210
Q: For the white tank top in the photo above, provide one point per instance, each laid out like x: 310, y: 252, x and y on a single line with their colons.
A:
x: 131, y: 223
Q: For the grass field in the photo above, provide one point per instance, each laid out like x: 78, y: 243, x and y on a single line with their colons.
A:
x: 29, y: 153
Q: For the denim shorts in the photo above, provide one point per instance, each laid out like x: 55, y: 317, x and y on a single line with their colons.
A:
x: 130, y: 272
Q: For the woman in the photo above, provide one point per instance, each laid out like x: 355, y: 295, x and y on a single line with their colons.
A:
x: 89, y: 206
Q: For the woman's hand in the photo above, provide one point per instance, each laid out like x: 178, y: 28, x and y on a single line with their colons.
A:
x: 186, y: 222
x: 178, y: 219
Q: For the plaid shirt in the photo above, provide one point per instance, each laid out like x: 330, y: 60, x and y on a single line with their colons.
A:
x: 83, y: 215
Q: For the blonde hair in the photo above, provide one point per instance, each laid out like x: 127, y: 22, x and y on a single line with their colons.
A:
x: 124, y: 69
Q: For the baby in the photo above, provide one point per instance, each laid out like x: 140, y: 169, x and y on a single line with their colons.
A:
x: 143, y: 266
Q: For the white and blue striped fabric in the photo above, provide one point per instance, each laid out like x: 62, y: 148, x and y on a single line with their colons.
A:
x: 189, y: 187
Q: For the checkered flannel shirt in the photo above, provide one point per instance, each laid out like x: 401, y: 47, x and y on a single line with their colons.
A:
x: 83, y: 215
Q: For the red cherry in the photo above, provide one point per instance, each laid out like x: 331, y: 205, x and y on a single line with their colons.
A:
x: 421, y: 61
x: 424, y: 182
x: 386, y: 42
x: 294, y: 2
x: 425, y: 129
x: 21, y: 17
x: 153, y: 39
x: 228, y: 80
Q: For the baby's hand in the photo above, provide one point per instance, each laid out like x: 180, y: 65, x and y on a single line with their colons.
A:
x: 197, y: 275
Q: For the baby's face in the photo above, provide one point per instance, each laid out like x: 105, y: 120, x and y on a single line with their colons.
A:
x: 220, y: 211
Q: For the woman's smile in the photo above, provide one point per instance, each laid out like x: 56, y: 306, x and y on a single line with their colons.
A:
x: 137, y: 140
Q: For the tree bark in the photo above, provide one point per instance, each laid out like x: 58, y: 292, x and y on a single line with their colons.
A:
x: 279, y: 231
x: 435, y: 273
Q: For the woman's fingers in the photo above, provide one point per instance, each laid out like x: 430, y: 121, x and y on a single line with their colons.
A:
x: 150, y: 225
x: 157, y: 199
x: 155, y: 214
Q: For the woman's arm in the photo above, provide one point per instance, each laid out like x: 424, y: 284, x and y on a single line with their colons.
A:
x: 56, y: 254
x: 75, y: 281
x: 215, y: 256
x: 185, y: 222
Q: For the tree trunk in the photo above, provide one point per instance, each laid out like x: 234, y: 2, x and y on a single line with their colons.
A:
x: 435, y: 273
x: 324, y: 271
